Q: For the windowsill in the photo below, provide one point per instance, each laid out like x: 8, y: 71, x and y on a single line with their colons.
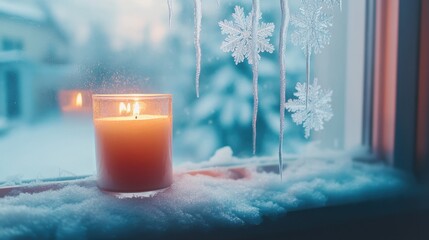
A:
x: 394, y: 217
x: 231, y: 202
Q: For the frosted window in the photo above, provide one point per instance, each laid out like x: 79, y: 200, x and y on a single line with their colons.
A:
x: 78, y: 47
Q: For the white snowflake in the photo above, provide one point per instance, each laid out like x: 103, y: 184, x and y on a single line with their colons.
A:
x: 239, y: 39
x: 318, y: 110
x: 312, y: 26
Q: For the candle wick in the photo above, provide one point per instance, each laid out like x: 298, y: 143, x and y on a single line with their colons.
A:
x: 136, y: 117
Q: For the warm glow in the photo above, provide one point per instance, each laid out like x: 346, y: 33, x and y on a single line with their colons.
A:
x: 124, y: 108
x: 133, y: 141
x: 79, y: 100
x: 136, y: 109
x: 74, y: 102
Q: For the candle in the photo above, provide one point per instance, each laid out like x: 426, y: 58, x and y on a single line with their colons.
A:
x: 133, y: 139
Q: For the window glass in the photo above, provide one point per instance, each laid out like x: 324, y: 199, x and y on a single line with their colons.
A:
x: 71, y: 49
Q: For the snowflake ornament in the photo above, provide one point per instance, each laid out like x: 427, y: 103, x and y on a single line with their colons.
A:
x: 239, y: 39
x: 312, y: 26
x: 318, y: 110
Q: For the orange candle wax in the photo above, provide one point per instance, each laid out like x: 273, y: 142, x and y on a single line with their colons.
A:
x: 134, y: 151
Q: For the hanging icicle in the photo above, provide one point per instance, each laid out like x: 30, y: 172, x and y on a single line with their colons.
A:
x: 170, y: 11
x: 197, y: 23
x: 284, y: 5
x: 255, y: 66
x: 307, y: 71
x: 247, y: 37
x: 218, y: 2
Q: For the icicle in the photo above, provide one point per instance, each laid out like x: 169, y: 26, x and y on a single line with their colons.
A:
x: 255, y: 21
x: 307, y: 71
x: 284, y: 5
x: 170, y: 11
x: 218, y: 3
x: 197, y: 22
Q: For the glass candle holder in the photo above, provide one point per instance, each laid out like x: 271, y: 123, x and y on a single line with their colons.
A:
x: 133, y: 134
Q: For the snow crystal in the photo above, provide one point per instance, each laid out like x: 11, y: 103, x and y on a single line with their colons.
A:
x: 197, y: 201
x: 239, y: 36
x: 316, y: 112
x: 312, y: 34
x: 312, y: 28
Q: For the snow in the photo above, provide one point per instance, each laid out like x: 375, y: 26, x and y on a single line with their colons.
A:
x: 222, y: 157
x: 54, y: 147
x: 196, y: 201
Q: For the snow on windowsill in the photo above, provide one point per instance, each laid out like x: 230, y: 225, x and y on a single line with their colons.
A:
x: 198, y: 200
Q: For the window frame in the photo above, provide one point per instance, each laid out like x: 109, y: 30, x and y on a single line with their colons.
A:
x: 422, y: 145
x: 410, y: 80
x: 399, y: 116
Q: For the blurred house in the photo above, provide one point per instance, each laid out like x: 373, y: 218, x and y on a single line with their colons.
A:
x: 34, y: 59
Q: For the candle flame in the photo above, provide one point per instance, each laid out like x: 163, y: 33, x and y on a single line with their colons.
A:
x: 124, y: 108
x: 78, y: 101
x: 136, y: 109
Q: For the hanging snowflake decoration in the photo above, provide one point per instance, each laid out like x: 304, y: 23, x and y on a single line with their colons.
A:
x: 239, y: 39
x: 312, y: 27
x: 318, y: 110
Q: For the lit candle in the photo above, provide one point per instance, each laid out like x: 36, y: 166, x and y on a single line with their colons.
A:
x: 133, y: 139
